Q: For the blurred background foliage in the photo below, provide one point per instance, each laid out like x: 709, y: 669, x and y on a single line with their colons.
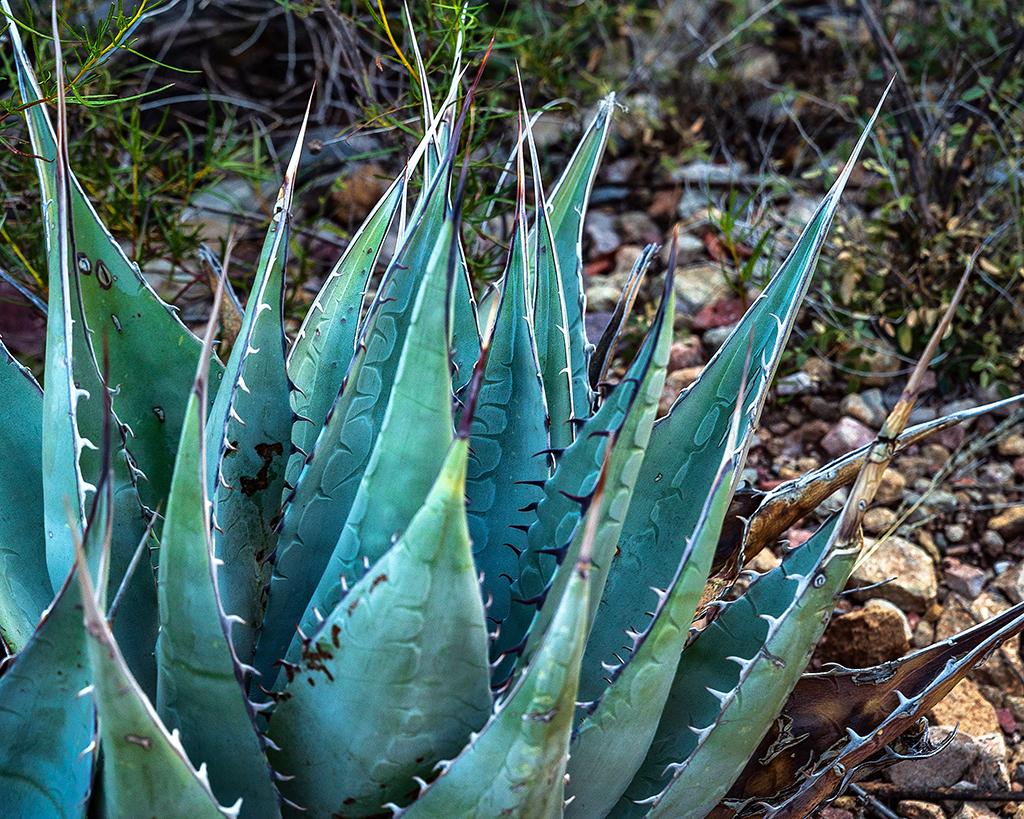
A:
x: 182, y: 111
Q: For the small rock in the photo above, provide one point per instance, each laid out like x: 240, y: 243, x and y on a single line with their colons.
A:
x: 919, y: 415
x: 600, y: 230
x: 944, y: 769
x: 883, y: 366
x: 822, y: 408
x: 602, y: 298
x: 973, y: 810
x: 691, y: 205
x: 698, y: 285
x: 819, y: 369
x: 686, y: 353
x: 1011, y: 583
x: 915, y: 585
x: 689, y: 248
x: 909, y: 809
x: 955, y: 533
x: 847, y: 435
x: 875, y: 634
x: 707, y: 173
x: 798, y: 383
x: 942, y: 501
x: 998, y: 474
x: 867, y: 407
x: 964, y: 579
x: 878, y: 519
x: 924, y: 634
x: 966, y: 706
x: 716, y: 336
x: 813, y: 431
x: 993, y: 541
x: 1012, y: 446
x: 1003, y: 669
x: 891, y: 488
x: 832, y: 812
x: 663, y: 204
x: 1009, y: 523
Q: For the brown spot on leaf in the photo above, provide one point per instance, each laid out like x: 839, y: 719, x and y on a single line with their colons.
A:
x: 145, y: 743
x: 250, y: 486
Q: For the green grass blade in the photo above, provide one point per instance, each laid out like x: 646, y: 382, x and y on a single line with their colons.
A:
x: 397, y: 674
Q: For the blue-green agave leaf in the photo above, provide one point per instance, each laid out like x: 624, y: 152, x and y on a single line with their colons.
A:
x: 25, y: 588
x: 326, y: 341
x: 515, y: 766
x: 415, y: 435
x: 615, y: 734
x: 200, y: 683
x: 145, y: 769
x: 686, y: 446
x: 566, y: 496
x: 733, y: 679
x: 508, y: 436
x: 316, y: 510
x: 397, y: 673
x: 550, y: 313
x: 249, y: 431
x: 151, y: 354
x: 627, y: 453
x: 47, y: 717
x: 560, y: 274
x: 48, y: 752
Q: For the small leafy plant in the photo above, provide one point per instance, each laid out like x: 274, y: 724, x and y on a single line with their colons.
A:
x: 423, y: 558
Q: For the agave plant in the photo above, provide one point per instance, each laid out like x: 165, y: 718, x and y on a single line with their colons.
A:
x: 421, y: 557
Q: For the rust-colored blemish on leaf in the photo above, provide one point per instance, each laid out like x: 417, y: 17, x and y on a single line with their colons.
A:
x: 267, y: 452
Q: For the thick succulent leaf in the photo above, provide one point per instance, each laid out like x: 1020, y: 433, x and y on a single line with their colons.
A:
x: 627, y: 453
x: 200, y: 690
x: 508, y: 438
x: 318, y: 508
x: 397, y: 674
x: 516, y: 765
x: 46, y: 726
x: 410, y: 450
x: 613, y: 739
x: 560, y: 274
x: 566, y: 496
x: 733, y: 679
x: 824, y: 705
x: 76, y: 415
x: 64, y: 486
x: 152, y: 355
x: 604, y: 352
x: 728, y: 695
x: 25, y: 588
x: 249, y: 430
x: 686, y: 446
x: 325, y: 344
x: 145, y: 769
